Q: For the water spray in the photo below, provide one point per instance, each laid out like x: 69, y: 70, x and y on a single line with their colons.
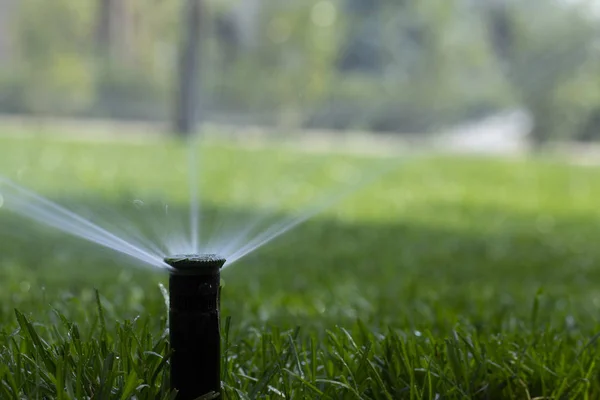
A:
x: 194, y: 289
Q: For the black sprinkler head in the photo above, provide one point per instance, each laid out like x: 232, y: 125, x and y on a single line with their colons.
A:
x: 194, y: 326
x: 195, y: 263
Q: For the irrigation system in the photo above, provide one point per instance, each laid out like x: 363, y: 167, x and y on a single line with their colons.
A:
x: 194, y: 289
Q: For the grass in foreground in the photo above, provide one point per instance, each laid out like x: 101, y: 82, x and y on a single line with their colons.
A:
x: 450, y: 278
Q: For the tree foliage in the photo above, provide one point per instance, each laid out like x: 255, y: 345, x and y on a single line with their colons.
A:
x: 404, y: 66
x: 549, y: 59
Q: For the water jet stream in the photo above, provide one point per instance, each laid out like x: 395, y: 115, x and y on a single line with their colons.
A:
x: 285, y: 225
x: 238, y: 236
x: 128, y: 239
x: 30, y: 205
x: 194, y: 195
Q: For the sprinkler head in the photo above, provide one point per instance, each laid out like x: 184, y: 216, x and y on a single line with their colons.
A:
x: 194, y: 324
x: 195, y: 263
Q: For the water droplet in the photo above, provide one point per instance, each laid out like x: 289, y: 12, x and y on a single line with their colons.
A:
x: 418, y: 334
x: 570, y: 322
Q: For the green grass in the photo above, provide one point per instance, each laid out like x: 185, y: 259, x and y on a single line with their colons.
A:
x: 451, y: 278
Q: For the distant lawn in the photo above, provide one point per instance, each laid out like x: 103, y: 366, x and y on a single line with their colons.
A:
x: 448, y: 278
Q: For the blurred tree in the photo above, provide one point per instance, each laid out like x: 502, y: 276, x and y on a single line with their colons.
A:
x: 105, y: 35
x: 187, y: 97
x: 229, y: 38
x: 7, y: 16
x: 247, y: 17
x: 541, y: 54
x: 134, y: 59
x: 392, y: 65
x: 53, y: 45
x: 362, y: 48
x: 114, y: 31
x: 431, y: 68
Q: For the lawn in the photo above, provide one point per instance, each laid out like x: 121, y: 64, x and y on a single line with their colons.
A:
x: 448, y: 278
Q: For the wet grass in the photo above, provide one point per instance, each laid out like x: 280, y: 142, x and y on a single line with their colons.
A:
x: 449, y: 278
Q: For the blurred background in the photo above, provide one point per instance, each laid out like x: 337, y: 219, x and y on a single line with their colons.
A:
x: 486, y: 74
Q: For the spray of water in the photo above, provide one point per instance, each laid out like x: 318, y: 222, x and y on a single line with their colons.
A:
x: 127, y: 239
x: 194, y: 195
x: 278, y: 228
x: 32, y: 206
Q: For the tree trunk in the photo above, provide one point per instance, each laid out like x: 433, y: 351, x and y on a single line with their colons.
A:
x: 7, y: 15
x: 502, y: 37
x: 501, y: 32
x: 247, y: 15
x: 113, y: 32
x: 188, y: 96
x: 104, y: 31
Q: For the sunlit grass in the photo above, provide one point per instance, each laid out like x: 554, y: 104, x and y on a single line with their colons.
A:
x: 448, y: 278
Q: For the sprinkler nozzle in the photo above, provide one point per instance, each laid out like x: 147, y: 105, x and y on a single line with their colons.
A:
x: 195, y: 263
x: 194, y: 326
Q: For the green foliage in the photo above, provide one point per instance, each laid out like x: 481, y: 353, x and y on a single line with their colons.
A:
x: 58, y: 69
x: 432, y: 63
x: 83, y: 363
x: 53, y: 42
x: 551, y: 61
x: 419, y: 86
